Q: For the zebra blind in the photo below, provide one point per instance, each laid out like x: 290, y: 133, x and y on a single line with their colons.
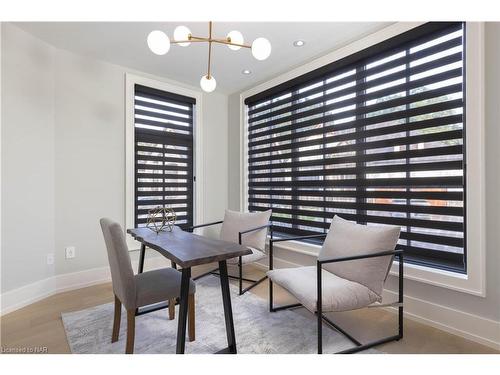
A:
x: 163, y: 154
x: 377, y: 138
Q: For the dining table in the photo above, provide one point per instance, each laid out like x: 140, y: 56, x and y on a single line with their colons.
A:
x: 185, y: 250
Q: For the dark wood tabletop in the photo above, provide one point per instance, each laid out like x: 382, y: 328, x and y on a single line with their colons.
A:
x: 188, y: 249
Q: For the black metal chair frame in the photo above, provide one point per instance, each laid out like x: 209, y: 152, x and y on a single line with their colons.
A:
x: 240, y: 277
x: 319, y: 307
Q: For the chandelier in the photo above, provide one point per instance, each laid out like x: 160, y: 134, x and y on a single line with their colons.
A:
x: 159, y: 43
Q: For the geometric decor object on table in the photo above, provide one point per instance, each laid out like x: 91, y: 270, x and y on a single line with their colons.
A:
x: 160, y: 219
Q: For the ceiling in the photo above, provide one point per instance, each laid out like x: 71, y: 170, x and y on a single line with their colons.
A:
x: 124, y: 43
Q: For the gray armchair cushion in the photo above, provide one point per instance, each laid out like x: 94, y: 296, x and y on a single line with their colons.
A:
x: 235, y: 222
x: 337, y: 294
x: 158, y: 286
x: 346, y: 238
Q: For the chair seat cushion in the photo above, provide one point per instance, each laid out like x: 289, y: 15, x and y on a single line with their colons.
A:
x: 250, y: 258
x: 338, y: 294
x: 159, y: 286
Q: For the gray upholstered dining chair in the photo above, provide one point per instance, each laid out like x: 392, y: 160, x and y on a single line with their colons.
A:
x: 350, y: 272
x: 135, y: 291
x: 245, y: 228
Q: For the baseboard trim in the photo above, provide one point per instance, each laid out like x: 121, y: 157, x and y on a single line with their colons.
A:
x: 469, y: 326
x: 26, y: 295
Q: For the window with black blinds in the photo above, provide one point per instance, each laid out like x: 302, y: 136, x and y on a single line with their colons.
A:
x: 163, y: 154
x: 376, y: 137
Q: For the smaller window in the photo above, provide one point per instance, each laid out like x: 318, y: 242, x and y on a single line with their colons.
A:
x: 163, y: 150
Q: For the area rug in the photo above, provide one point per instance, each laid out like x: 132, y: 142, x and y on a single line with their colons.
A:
x: 257, y: 330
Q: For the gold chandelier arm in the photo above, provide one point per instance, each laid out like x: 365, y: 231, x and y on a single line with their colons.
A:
x: 199, y: 39
x: 186, y: 41
x: 194, y: 39
x: 224, y: 41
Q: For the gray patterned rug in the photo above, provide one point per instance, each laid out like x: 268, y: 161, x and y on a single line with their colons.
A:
x: 257, y: 330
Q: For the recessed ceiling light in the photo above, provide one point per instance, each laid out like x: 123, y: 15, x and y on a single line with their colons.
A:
x: 299, y: 43
x: 246, y: 72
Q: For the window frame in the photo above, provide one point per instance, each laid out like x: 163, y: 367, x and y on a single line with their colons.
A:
x: 198, y: 184
x: 473, y: 281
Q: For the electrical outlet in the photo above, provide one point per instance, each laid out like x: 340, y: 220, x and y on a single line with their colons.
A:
x: 50, y: 259
x: 70, y: 252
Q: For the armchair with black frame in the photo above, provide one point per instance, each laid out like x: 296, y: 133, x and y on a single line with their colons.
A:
x: 250, y: 229
x: 350, y: 271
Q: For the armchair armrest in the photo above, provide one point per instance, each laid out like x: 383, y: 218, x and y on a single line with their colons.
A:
x: 299, y: 238
x: 204, y: 225
x: 362, y: 256
x: 253, y: 230
x: 319, y: 287
x: 272, y: 241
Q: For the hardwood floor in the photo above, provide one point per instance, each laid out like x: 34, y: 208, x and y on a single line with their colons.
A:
x: 39, y: 325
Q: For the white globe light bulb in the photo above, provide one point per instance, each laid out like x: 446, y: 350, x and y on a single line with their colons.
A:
x: 208, y: 83
x: 182, y: 33
x: 261, y: 48
x: 235, y: 37
x: 158, y: 42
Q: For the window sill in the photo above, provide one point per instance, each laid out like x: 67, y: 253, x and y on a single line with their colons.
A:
x: 427, y: 275
x: 437, y: 277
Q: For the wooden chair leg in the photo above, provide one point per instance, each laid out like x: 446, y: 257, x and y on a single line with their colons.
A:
x: 130, y: 332
x: 171, y: 308
x: 116, y: 322
x: 191, y: 318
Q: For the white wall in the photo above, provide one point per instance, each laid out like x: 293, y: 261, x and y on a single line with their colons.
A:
x: 234, y: 136
x: 69, y: 113
x: 215, y: 130
x: 89, y: 156
x: 27, y: 158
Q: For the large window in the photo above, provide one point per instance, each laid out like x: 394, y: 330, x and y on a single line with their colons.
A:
x: 376, y: 137
x: 163, y: 132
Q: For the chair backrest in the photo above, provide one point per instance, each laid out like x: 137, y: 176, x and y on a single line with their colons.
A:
x: 122, y: 274
x: 346, y: 238
x: 235, y: 222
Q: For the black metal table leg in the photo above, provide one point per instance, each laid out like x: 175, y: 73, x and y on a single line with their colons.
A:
x: 228, y: 312
x: 401, y: 296
x: 319, y: 308
x: 240, y: 274
x: 141, y: 258
x: 271, y: 308
x: 140, y: 267
x: 183, y: 310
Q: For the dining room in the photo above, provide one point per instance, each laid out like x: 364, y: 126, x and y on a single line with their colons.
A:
x: 267, y: 185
